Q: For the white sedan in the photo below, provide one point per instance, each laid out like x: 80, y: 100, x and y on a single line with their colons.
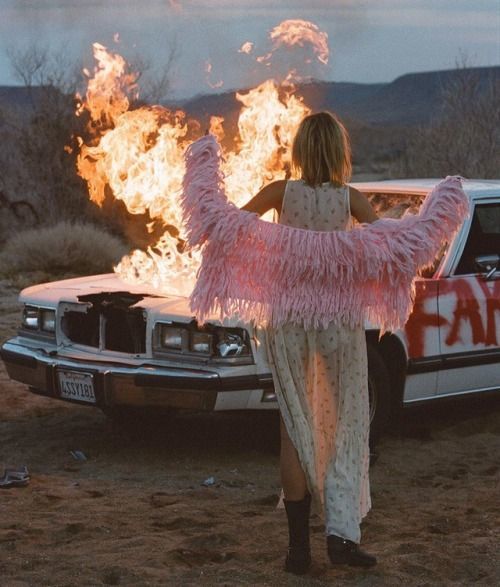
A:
x: 100, y: 341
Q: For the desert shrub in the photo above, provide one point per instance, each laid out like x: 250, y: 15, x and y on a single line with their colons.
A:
x: 62, y: 250
x: 40, y: 132
x: 464, y: 138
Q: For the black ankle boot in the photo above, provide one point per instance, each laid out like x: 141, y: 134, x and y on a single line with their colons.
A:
x: 298, y: 559
x: 345, y: 552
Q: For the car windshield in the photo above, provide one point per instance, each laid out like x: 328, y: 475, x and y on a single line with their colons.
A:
x: 395, y: 206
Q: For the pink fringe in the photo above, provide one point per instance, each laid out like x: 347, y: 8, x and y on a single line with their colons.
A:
x: 273, y: 273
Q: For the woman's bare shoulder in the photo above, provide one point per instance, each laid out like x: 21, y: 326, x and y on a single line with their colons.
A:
x: 270, y: 196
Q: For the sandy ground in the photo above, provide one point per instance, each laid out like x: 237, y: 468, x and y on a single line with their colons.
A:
x: 136, y: 512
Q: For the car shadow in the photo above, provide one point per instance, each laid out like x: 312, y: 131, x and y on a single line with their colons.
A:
x: 461, y: 415
x: 240, y: 431
x: 230, y: 432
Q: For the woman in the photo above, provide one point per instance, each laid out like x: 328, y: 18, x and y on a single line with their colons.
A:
x: 321, y: 375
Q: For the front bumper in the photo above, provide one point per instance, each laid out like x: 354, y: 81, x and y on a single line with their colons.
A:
x: 117, y: 384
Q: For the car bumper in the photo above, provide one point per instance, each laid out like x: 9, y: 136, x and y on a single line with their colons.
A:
x: 123, y: 385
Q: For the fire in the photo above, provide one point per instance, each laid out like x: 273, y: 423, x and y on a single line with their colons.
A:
x: 138, y: 155
x: 208, y: 70
x: 290, y: 33
x: 110, y: 89
x: 247, y: 47
x: 298, y: 32
x: 266, y: 127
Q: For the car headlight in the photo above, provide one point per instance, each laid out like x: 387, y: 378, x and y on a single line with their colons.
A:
x: 201, y: 342
x: 171, y: 337
x: 209, y: 341
x: 48, y: 320
x: 231, y: 345
x: 39, y: 319
x: 30, y: 318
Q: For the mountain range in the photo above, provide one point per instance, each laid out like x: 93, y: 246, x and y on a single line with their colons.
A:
x: 409, y: 100
x: 412, y: 99
x: 379, y: 117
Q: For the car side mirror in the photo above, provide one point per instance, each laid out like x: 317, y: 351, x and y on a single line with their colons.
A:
x: 488, y: 263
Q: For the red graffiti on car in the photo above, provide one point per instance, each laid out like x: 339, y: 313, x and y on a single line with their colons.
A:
x: 476, y: 302
x: 420, y: 319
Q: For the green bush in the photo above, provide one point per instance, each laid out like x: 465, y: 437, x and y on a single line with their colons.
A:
x: 62, y: 250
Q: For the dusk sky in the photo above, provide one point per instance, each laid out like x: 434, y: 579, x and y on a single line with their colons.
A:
x: 369, y: 41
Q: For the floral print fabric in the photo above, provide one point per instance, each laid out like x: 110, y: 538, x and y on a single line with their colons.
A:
x: 320, y: 377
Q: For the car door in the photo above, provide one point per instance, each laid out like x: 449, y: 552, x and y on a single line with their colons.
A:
x: 469, y: 312
x: 421, y: 335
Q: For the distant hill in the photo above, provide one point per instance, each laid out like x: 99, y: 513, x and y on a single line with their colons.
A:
x: 379, y: 117
x: 407, y: 101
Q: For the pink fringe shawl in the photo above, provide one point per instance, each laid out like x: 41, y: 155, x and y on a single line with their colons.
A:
x: 273, y: 273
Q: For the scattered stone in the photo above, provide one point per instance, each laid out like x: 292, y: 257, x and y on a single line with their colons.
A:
x: 78, y: 455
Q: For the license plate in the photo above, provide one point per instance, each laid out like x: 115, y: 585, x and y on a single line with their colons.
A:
x: 76, y: 385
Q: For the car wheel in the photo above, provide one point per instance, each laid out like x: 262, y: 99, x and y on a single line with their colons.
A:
x: 379, y: 393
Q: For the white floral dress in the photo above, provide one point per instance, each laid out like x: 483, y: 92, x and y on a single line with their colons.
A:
x: 321, y: 383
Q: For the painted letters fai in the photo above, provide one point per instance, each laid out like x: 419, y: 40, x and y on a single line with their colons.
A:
x: 454, y: 315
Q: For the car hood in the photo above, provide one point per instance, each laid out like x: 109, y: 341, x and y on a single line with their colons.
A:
x: 70, y: 290
x: 158, y: 303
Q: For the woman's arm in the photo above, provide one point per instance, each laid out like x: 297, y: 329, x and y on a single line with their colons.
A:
x: 361, y: 208
x: 270, y: 196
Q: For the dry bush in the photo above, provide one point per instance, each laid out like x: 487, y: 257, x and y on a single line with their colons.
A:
x: 38, y: 164
x: 39, y: 184
x: 62, y: 250
x: 464, y: 137
x: 15, y: 215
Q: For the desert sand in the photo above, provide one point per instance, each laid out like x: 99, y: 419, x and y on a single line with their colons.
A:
x: 136, y: 511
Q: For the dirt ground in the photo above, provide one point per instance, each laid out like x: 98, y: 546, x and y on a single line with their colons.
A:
x: 136, y: 511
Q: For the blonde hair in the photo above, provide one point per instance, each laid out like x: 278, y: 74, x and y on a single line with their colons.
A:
x: 321, y: 150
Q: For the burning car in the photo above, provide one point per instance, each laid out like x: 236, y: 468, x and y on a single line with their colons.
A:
x: 128, y: 340
x: 104, y: 342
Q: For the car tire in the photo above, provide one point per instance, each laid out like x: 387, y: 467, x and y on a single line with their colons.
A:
x: 379, y: 392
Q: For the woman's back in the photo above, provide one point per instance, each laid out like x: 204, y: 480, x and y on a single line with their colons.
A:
x: 320, y: 379
x: 324, y: 207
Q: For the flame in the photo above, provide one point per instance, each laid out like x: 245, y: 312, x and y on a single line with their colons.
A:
x: 111, y: 89
x: 216, y: 127
x: 137, y: 154
x: 266, y: 128
x: 208, y: 70
x: 299, y: 32
x: 266, y: 59
x: 246, y: 47
x: 293, y: 32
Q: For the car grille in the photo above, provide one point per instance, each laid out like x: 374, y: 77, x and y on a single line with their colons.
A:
x: 112, y: 323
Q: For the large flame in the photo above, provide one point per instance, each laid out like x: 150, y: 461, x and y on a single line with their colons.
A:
x: 138, y: 155
x: 110, y: 89
x: 300, y: 32
x: 293, y: 33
